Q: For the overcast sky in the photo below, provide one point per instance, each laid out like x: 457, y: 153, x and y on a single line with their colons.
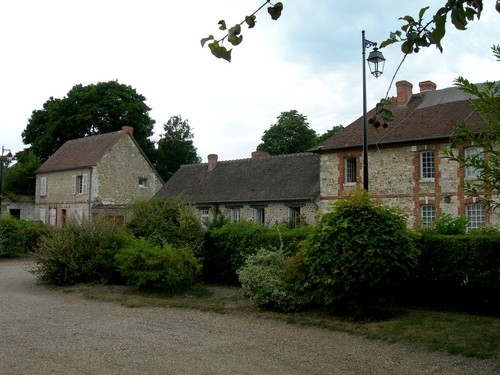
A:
x: 309, y: 60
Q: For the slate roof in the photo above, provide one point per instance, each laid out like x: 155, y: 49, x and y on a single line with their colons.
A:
x: 81, y: 152
x: 430, y: 115
x: 273, y: 178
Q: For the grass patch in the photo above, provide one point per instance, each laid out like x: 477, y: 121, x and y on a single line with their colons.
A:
x: 455, y: 333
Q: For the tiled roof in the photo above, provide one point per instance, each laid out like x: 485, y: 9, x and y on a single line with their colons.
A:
x: 81, y: 152
x: 264, y: 179
x: 428, y: 115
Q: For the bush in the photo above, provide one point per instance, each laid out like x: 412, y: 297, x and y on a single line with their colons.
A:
x: 448, y: 224
x: 458, y: 272
x: 19, y: 237
x: 167, y: 221
x: 153, y: 266
x: 359, y: 253
x: 227, y: 247
x: 74, y: 254
x: 263, y: 280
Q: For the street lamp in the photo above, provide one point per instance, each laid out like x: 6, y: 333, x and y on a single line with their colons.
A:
x: 376, y: 62
x: 9, y: 159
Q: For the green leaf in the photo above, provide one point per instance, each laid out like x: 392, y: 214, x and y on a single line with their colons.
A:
x: 204, y: 40
x: 250, y: 20
x: 220, y: 51
x: 275, y: 11
x: 233, y: 36
x: 222, y: 24
x: 387, y: 42
x: 422, y: 12
x: 458, y: 18
x: 407, y: 47
x: 408, y: 19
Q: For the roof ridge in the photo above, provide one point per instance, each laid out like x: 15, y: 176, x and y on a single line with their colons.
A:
x: 86, y: 137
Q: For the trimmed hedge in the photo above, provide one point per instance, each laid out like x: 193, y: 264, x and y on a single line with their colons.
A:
x: 226, y: 248
x: 459, y: 272
x: 19, y: 237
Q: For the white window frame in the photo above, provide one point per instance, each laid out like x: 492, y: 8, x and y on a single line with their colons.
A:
x: 235, y: 215
x: 427, y: 166
x: 350, y: 165
x: 428, y: 214
x: 294, y: 215
x: 470, y: 171
x: 42, y: 215
x: 204, y: 216
x: 259, y: 215
x: 476, y: 215
x: 79, y: 184
x: 43, y: 186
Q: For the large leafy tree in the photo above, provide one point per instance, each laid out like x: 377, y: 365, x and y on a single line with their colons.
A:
x: 289, y: 135
x: 175, y: 147
x: 88, y: 110
x: 20, y: 179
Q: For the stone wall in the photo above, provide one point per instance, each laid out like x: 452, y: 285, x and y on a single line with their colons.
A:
x: 394, y: 177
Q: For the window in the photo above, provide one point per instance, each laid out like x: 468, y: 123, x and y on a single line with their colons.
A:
x: 259, y: 215
x: 235, y: 214
x: 41, y: 215
x: 79, y: 184
x: 43, y: 186
x: 205, y: 216
x: 350, y: 170
x: 472, y: 153
x: 476, y: 215
x: 428, y: 214
x: 293, y: 216
x: 143, y: 182
x: 427, y: 165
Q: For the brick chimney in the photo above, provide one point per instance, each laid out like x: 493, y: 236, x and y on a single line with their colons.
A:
x: 128, y: 129
x: 404, y: 92
x: 427, y: 86
x: 260, y: 154
x: 212, y: 161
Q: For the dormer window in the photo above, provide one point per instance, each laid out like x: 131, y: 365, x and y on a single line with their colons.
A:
x: 143, y: 182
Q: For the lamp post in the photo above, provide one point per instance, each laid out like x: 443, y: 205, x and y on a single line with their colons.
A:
x: 376, y: 62
x: 9, y: 158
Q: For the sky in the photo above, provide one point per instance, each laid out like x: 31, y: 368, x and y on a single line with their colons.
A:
x: 310, y: 60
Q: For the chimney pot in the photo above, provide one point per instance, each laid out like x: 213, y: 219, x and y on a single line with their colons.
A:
x: 212, y: 161
x: 260, y: 154
x: 128, y: 129
x: 404, y: 92
x: 427, y: 86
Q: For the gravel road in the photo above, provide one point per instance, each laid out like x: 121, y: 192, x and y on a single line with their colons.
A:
x: 45, y: 331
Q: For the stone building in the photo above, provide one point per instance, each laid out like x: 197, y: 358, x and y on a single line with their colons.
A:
x: 406, y: 164
x: 95, y: 176
x: 263, y: 188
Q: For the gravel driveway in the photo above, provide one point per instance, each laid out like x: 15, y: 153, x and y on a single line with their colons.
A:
x: 44, y: 331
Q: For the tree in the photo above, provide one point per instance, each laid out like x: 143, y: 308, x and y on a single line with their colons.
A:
x: 291, y: 134
x: 21, y: 177
x: 330, y: 133
x: 88, y: 110
x: 175, y: 147
x: 486, y: 186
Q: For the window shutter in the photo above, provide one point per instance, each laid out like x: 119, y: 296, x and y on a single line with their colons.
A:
x: 43, y: 186
x: 84, y: 184
x: 73, y: 184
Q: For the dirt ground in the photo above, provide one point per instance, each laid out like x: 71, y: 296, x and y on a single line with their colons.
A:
x: 47, y: 331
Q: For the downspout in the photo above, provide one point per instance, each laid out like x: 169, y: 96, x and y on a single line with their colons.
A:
x: 90, y: 194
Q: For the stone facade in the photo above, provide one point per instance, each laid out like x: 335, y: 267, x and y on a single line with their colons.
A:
x: 395, y: 178
x: 123, y: 174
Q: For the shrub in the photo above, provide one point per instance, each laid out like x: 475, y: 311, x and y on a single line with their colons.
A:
x: 19, y: 237
x: 448, y: 224
x: 154, y: 266
x: 167, y: 220
x: 227, y: 247
x: 458, y: 272
x: 361, y: 250
x: 263, y: 280
x: 74, y: 254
